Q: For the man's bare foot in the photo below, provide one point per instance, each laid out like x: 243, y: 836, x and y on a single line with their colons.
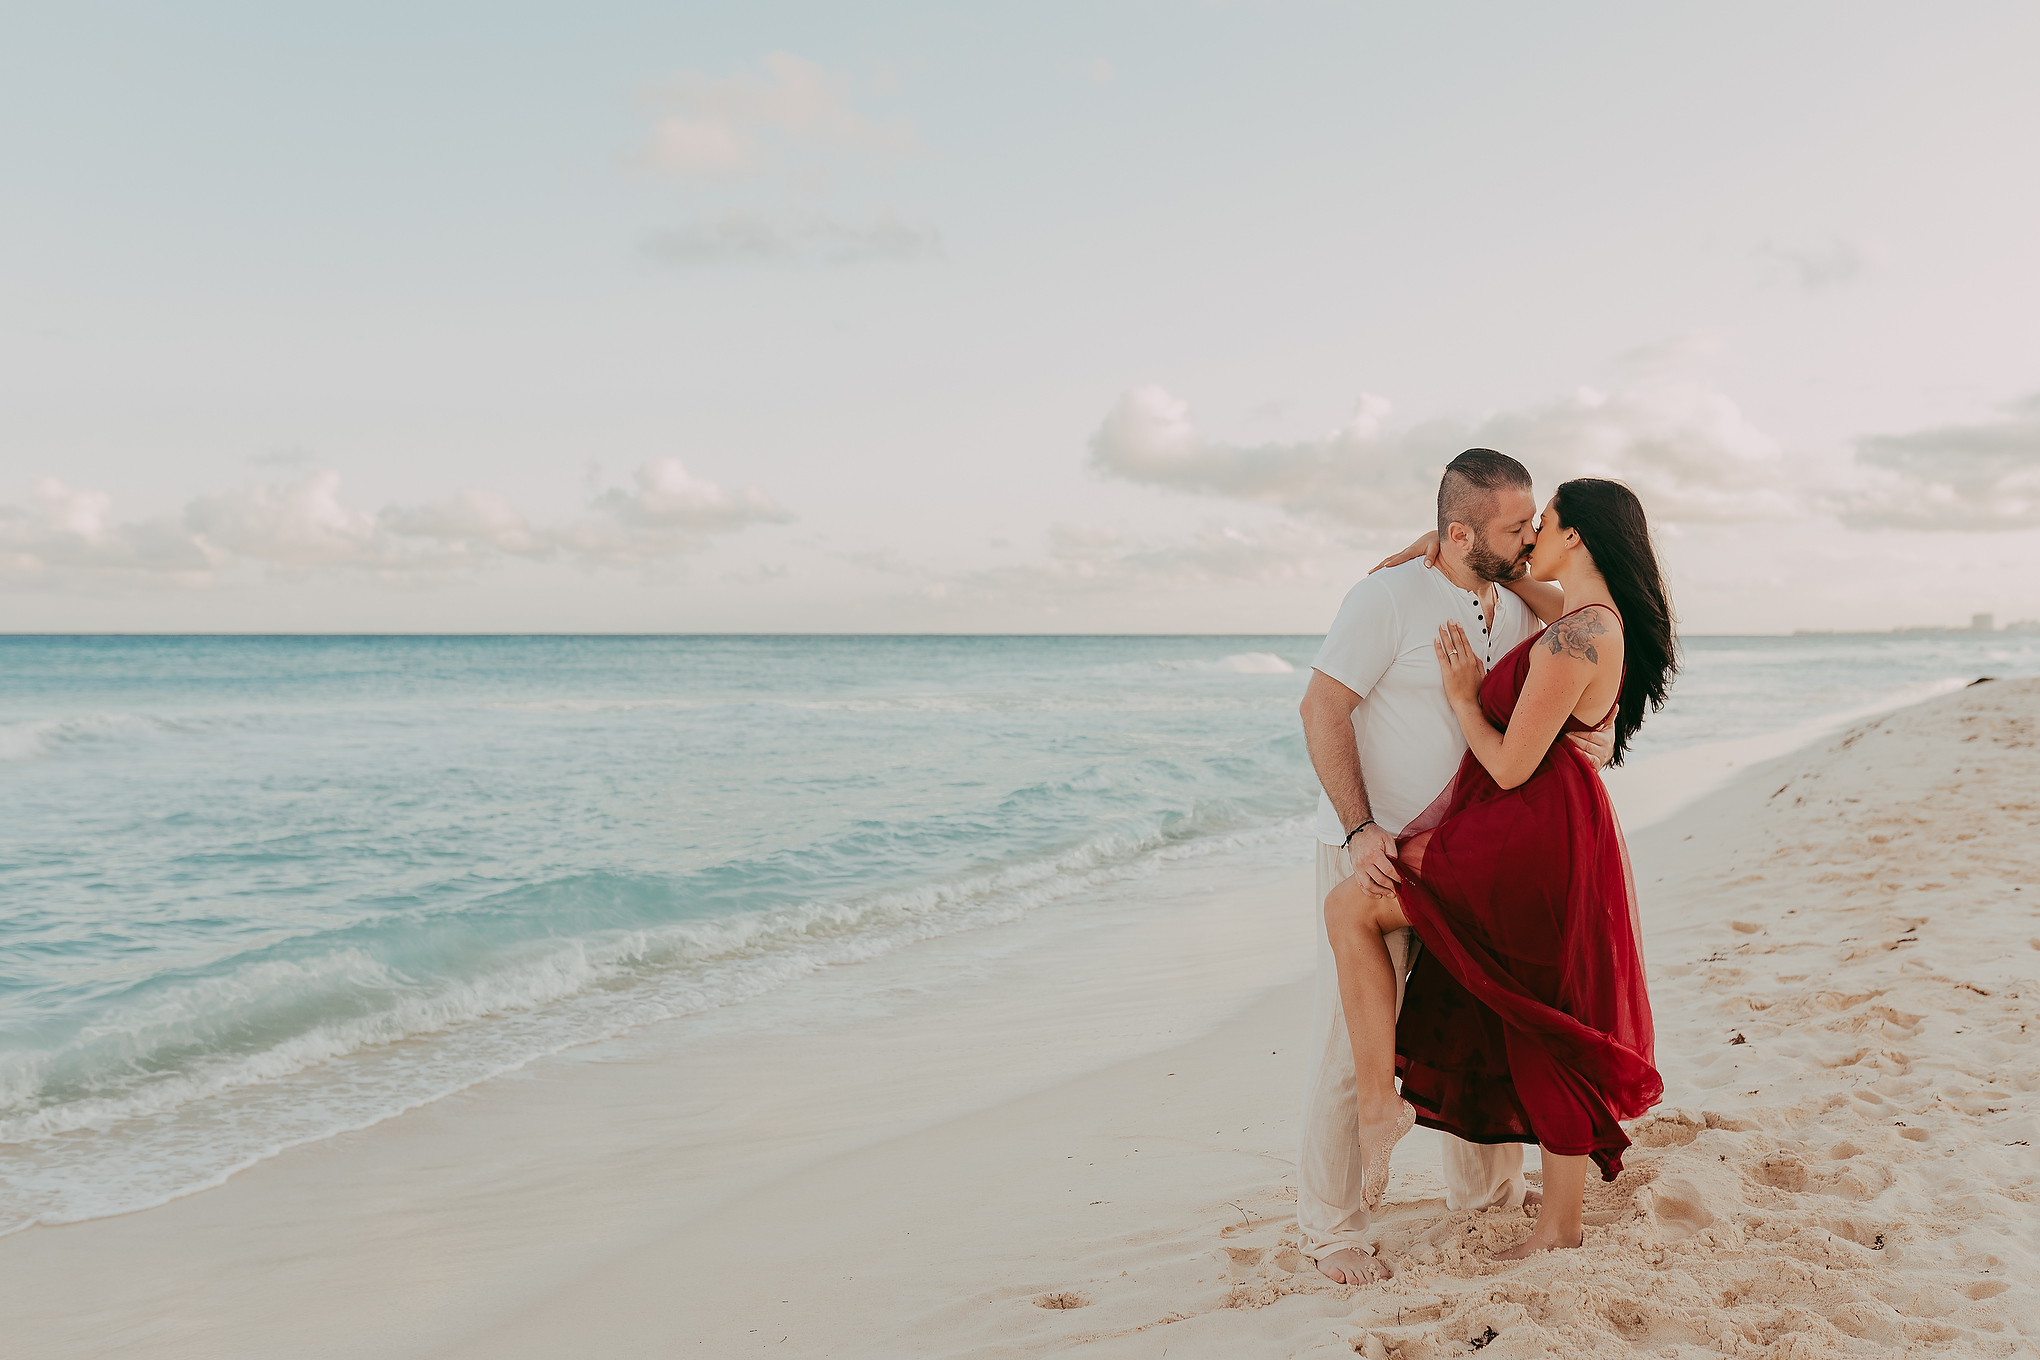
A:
x: 1348, y: 1265
x: 1533, y: 1244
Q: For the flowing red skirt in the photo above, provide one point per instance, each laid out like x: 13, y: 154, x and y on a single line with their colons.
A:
x: 1526, y: 1018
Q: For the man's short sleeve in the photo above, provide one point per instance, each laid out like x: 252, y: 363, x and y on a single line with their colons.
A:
x: 1364, y: 640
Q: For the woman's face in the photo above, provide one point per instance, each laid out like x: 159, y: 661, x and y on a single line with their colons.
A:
x: 1552, y: 543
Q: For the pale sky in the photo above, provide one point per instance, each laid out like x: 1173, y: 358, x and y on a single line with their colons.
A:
x: 1144, y: 317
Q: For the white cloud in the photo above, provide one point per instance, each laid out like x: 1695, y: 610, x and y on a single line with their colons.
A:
x: 670, y: 497
x: 1951, y: 478
x: 1686, y: 449
x: 1823, y: 264
x: 721, y: 126
x: 1354, y: 474
x: 66, y: 510
x: 742, y: 235
x: 482, y: 519
x: 291, y: 524
x: 777, y: 140
x: 66, y: 531
x: 698, y: 146
x: 738, y: 234
x: 669, y: 513
x: 306, y: 525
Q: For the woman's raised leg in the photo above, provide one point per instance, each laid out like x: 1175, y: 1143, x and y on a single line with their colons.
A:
x: 1355, y: 921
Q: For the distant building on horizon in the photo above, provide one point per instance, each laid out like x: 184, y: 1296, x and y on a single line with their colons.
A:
x: 1983, y: 623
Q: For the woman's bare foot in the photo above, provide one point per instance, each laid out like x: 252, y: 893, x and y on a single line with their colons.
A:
x: 1349, y: 1265
x: 1377, y: 1124
x: 1381, y: 1127
x: 1532, y: 1198
x: 1533, y: 1244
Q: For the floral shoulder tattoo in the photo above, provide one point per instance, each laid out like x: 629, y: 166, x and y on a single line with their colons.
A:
x: 1574, y: 635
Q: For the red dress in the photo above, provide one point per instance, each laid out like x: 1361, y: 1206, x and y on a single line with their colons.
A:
x: 1526, y: 1019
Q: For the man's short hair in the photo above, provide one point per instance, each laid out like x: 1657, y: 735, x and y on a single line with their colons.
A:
x: 1466, y: 492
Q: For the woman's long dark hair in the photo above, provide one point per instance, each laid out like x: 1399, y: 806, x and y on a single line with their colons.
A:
x: 1609, y: 520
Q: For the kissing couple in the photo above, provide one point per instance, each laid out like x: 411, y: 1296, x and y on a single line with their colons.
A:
x: 1477, y: 927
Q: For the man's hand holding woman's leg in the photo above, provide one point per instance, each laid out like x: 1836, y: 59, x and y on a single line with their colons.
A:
x: 1373, y: 852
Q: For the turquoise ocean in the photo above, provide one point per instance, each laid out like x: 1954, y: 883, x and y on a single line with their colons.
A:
x: 258, y: 890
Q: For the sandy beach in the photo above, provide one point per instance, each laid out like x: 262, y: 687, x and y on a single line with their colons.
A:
x: 1843, y: 944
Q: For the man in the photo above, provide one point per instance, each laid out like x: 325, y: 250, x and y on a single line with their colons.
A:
x: 1385, y: 745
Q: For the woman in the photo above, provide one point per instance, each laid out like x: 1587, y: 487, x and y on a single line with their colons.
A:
x: 1526, y: 1018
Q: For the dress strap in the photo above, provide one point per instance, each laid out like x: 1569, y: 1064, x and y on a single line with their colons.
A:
x: 1583, y: 608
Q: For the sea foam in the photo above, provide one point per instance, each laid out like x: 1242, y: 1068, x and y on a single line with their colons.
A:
x: 49, y: 736
x: 179, y: 1088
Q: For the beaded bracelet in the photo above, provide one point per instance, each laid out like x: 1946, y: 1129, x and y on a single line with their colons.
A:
x: 1347, y: 843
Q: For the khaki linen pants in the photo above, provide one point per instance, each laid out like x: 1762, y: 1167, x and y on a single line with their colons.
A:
x: 1328, y: 1204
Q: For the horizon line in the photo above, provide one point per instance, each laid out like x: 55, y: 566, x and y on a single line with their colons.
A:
x: 1911, y: 631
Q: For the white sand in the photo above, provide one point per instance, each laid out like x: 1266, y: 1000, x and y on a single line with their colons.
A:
x: 1857, y: 1176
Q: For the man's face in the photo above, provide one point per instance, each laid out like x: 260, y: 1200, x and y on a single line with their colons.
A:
x: 1500, y: 551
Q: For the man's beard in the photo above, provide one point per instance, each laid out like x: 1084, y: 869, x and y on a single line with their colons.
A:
x: 1492, y: 566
